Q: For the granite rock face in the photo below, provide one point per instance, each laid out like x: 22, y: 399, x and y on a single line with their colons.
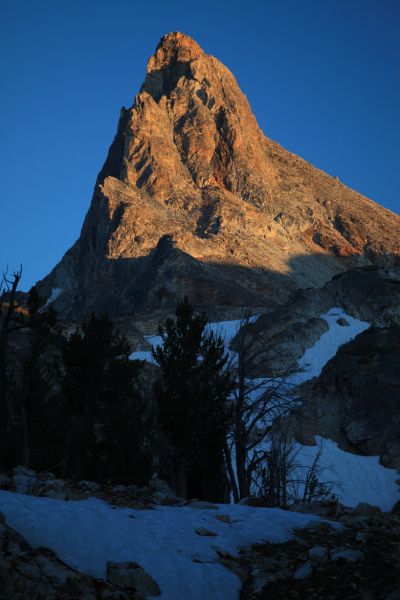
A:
x: 356, y: 399
x: 194, y: 199
x: 279, y: 338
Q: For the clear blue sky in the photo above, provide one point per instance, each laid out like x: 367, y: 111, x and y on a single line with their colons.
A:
x: 322, y: 77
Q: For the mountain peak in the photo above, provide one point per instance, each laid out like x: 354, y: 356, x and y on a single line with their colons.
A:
x: 171, y: 60
x: 173, y: 48
x: 194, y: 200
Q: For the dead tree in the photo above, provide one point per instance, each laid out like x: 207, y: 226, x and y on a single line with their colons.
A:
x: 8, y: 289
x: 256, y: 403
x: 282, y: 479
x: 18, y: 382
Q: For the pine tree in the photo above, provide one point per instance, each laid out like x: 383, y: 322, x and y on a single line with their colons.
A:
x: 35, y: 388
x: 26, y: 332
x: 103, y: 403
x: 192, y: 396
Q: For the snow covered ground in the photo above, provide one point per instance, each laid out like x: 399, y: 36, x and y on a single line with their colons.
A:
x: 86, y: 534
x: 314, y: 359
x: 359, y: 478
x: 55, y: 292
x: 154, y: 341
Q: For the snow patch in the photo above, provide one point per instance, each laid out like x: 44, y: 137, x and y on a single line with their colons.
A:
x: 225, y: 329
x: 154, y: 341
x: 86, y: 534
x: 55, y: 292
x: 315, y: 358
x: 359, y: 478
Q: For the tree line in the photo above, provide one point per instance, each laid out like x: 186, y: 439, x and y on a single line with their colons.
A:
x: 78, y: 405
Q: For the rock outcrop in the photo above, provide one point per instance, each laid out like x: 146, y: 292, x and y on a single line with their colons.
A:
x: 30, y: 482
x: 356, y: 399
x: 279, y: 338
x: 194, y: 199
x: 356, y: 562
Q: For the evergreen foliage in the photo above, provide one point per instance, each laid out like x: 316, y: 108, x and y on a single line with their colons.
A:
x: 103, y: 404
x: 192, y: 396
x: 26, y: 333
x: 37, y: 373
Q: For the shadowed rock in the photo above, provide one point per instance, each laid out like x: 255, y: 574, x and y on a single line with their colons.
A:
x: 356, y: 399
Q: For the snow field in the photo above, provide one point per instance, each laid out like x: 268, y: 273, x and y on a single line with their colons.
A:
x: 314, y: 359
x: 355, y: 478
x: 86, y: 534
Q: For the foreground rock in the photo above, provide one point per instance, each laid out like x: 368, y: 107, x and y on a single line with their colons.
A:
x: 360, y: 547
x: 26, y: 573
x: 131, y: 576
x: 27, y: 481
x: 360, y: 561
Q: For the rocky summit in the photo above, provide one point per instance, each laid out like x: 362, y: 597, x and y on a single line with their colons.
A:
x: 194, y: 199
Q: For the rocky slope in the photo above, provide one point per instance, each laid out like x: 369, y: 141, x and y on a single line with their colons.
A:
x: 356, y: 399
x: 194, y: 199
x: 38, y: 573
x: 354, y: 563
x: 279, y: 338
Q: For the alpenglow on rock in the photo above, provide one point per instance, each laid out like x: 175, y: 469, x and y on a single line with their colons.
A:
x: 194, y: 199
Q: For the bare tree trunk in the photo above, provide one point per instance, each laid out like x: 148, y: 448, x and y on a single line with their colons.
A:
x: 239, y: 431
x: 181, y: 487
x: 241, y: 455
x: 25, y: 454
x: 5, y: 323
x: 231, y: 474
x: 72, y: 459
x: 24, y: 427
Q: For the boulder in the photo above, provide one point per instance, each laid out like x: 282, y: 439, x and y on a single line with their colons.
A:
x: 5, y: 480
x: 318, y: 553
x: 349, y: 555
x: 119, y: 489
x: 303, y: 571
x: 224, y: 518
x: 131, y: 576
x: 205, y: 532
x: 202, y: 505
x: 254, y: 501
x: 24, y: 484
x: 90, y: 486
